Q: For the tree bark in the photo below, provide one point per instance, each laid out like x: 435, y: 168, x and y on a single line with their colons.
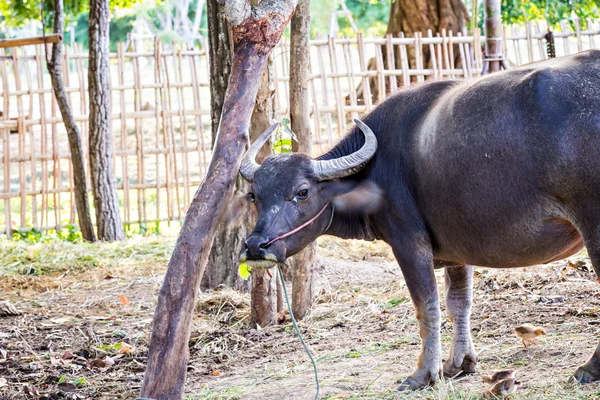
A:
x: 222, y: 267
x: 494, y: 57
x: 413, y: 16
x: 263, y: 301
x: 303, y: 263
x: 256, y: 30
x: 54, y: 66
x: 104, y: 188
x: 220, y: 49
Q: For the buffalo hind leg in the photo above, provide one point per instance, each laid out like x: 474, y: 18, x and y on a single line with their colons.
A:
x: 590, y: 371
x: 459, y: 293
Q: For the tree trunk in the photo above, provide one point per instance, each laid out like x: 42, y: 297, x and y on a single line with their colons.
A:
x: 263, y: 303
x: 303, y: 263
x: 413, y: 16
x: 104, y: 188
x: 79, y: 182
x: 222, y: 267
x: 256, y: 30
x: 494, y: 58
x: 220, y: 50
x: 418, y: 16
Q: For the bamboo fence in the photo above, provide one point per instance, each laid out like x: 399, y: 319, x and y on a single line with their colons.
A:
x: 161, y: 111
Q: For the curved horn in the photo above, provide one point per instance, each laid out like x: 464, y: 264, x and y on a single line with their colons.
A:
x: 249, y: 164
x: 347, y: 165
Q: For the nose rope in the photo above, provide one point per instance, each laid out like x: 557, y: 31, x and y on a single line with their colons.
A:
x: 304, y: 225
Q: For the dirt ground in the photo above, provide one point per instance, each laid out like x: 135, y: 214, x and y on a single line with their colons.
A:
x: 85, y: 328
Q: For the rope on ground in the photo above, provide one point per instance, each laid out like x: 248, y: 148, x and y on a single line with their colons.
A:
x: 287, y: 300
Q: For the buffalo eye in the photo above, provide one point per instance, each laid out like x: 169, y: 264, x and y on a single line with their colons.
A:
x: 302, y: 194
x: 252, y: 197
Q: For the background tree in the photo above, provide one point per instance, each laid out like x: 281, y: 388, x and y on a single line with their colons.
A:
x: 79, y: 179
x: 303, y: 264
x: 263, y: 301
x: 222, y: 266
x: 104, y: 188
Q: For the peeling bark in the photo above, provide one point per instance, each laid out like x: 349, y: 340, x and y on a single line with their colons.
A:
x: 104, y: 187
x: 74, y: 135
x: 263, y: 303
x: 302, y: 263
x: 168, y: 352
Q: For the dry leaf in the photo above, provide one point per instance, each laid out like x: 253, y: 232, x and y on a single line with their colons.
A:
x: 3, y: 354
x: 67, y: 355
x: 3, y: 382
x: 67, y: 387
x: 31, y: 390
x: 98, y: 363
x: 124, y: 300
x: 126, y: 348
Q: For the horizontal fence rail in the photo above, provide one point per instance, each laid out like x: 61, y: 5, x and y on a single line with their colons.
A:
x: 161, y: 110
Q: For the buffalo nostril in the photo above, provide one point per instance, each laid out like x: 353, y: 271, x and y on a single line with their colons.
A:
x: 264, y: 245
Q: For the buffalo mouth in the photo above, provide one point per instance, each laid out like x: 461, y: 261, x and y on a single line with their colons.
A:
x: 266, y: 262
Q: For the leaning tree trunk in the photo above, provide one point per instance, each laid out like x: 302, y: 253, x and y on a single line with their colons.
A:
x: 304, y: 262
x: 104, y: 188
x: 79, y: 182
x: 222, y: 267
x: 256, y: 30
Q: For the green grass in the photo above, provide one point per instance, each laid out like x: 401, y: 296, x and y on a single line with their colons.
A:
x: 54, y: 255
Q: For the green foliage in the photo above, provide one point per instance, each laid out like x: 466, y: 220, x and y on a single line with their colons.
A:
x: 282, y: 143
x: 371, y: 16
x: 29, y: 235
x: 553, y: 11
x: 119, y: 28
x: 19, y: 12
x: 70, y: 233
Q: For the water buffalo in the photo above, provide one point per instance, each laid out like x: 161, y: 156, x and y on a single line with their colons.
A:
x: 501, y: 171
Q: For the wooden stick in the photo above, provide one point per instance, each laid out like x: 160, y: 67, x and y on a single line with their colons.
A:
x: 53, y: 38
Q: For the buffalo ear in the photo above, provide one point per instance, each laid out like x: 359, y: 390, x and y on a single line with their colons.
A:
x: 366, y: 198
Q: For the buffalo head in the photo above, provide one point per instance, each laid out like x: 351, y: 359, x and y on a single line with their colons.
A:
x: 296, y: 197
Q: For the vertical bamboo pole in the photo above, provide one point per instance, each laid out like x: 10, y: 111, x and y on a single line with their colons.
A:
x: 6, y: 145
x: 43, y: 137
x: 341, y: 120
x: 391, y: 63
x: 363, y: 68
x: 123, y: 120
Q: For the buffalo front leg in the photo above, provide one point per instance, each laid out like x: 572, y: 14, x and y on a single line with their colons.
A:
x: 459, y: 292
x: 416, y: 262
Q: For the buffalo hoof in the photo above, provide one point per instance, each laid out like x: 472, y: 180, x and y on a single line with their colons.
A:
x: 456, y: 367
x: 409, y: 384
x: 421, y: 378
x: 586, y: 374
